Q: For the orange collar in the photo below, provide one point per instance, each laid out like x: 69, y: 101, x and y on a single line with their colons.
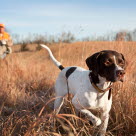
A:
x: 103, y: 91
x: 100, y: 90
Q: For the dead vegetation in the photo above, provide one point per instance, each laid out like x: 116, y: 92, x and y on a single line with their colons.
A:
x: 27, y: 93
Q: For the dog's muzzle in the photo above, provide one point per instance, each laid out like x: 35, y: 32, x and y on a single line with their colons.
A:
x: 120, y: 75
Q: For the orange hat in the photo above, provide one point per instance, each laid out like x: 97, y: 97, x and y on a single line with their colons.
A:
x: 2, y: 25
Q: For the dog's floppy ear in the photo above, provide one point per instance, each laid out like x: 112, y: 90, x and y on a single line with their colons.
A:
x: 125, y: 65
x: 92, y: 62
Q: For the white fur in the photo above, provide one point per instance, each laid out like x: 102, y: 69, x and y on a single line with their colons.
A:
x: 86, y: 97
x: 51, y: 55
x: 117, y: 66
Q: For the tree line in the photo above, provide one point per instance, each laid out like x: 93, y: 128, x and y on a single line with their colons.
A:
x: 68, y: 37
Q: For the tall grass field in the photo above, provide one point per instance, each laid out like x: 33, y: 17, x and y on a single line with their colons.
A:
x: 27, y: 92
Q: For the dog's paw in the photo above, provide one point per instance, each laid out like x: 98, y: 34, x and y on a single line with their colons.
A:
x: 97, y: 122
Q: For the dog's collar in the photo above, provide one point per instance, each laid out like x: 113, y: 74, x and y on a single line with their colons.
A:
x: 100, y: 90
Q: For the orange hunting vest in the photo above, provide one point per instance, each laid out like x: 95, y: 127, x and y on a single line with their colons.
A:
x: 5, y: 36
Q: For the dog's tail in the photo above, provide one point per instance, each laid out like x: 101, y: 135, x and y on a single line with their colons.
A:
x: 57, y: 63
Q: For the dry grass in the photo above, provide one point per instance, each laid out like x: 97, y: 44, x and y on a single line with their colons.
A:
x: 27, y: 93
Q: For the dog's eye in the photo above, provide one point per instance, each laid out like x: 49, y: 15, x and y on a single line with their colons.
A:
x: 107, y: 62
x: 121, y: 62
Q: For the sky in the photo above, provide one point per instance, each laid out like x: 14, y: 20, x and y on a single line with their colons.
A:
x: 83, y: 18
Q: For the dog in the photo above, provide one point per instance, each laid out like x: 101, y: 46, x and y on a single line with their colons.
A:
x: 91, y: 88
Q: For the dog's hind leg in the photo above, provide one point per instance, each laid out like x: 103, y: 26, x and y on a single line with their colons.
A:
x: 61, y: 91
x: 58, y: 104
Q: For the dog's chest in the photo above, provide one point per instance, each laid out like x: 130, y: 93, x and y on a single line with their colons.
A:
x: 94, y: 100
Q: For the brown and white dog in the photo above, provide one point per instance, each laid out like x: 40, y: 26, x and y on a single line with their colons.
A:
x: 91, y: 88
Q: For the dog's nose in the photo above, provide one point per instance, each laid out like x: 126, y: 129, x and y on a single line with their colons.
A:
x: 120, y: 72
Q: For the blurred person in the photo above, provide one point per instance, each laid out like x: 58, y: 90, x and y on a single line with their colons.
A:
x: 5, y: 41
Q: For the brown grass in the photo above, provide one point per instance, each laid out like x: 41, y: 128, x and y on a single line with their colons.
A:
x: 27, y: 93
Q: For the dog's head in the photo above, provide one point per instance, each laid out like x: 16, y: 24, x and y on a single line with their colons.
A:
x: 109, y: 64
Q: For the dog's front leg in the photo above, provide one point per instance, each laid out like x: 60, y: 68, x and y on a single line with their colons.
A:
x: 95, y: 120
x: 79, y: 105
x: 103, y: 126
